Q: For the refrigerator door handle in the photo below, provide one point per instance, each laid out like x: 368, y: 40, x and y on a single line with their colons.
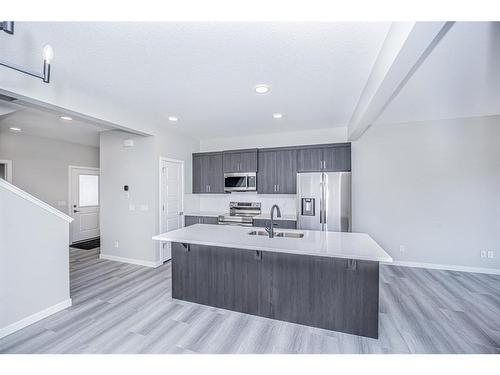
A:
x: 322, y: 202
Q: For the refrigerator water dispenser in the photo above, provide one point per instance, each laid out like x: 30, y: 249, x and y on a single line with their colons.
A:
x: 307, y: 207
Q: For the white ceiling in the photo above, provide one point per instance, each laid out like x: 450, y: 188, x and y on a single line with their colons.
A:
x: 49, y: 125
x: 204, y: 73
x: 460, y: 78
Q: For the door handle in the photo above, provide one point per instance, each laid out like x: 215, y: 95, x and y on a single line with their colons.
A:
x: 75, y: 211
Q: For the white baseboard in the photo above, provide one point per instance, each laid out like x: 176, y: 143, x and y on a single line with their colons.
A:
x: 20, y: 324
x: 491, y: 271
x: 139, y: 262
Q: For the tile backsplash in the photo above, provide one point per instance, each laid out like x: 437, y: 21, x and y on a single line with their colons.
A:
x: 212, y: 202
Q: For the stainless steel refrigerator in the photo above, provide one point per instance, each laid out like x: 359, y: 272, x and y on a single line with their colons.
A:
x: 324, y: 201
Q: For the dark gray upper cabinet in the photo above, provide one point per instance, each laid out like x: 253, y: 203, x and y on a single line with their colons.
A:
x: 309, y: 159
x: 240, y: 161
x: 286, y: 171
x: 276, y: 167
x: 277, y: 172
x: 207, y: 173
x: 266, y: 175
x: 200, y: 164
x: 331, y: 158
x: 215, y: 174
x: 337, y: 159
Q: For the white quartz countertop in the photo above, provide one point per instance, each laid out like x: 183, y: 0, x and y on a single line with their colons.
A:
x: 358, y: 246
x: 267, y: 216
x: 206, y: 213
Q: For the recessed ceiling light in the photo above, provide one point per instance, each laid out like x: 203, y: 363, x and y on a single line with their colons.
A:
x: 173, y: 118
x: 67, y: 118
x: 277, y: 115
x: 262, y: 89
x: 15, y: 129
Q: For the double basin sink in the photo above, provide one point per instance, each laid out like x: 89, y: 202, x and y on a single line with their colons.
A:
x: 278, y: 234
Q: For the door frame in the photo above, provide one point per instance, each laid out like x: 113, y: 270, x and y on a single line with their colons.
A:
x: 70, y: 170
x: 160, y: 197
x: 8, y: 169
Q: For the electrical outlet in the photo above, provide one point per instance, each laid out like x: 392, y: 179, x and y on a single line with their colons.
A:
x: 402, y: 248
x: 491, y: 254
x: 483, y: 253
x: 117, y: 244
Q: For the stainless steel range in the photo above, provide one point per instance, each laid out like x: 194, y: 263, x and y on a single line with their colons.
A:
x: 240, y: 213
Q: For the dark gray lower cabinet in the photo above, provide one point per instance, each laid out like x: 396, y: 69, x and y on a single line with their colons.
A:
x: 285, y: 224
x: 191, y: 220
x: 329, y: 293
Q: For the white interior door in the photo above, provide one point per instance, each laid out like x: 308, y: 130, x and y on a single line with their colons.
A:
x: 172, y: 175
x: 84, y: 203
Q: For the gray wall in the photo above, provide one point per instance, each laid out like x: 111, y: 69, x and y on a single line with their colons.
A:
x: 433, y: 187
x: 137, y: 167
x: 40, y: 165
x: 34, y: 259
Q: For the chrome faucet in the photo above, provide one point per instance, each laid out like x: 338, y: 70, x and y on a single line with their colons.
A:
x: 270, y: 227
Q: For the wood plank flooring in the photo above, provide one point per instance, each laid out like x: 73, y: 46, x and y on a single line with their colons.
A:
x: 123, y: 308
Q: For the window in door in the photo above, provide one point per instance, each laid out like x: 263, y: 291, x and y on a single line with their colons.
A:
x: 88, y: 190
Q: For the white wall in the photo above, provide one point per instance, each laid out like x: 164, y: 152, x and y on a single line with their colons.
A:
x: 137, y: 167
x: 40, y: 165
x: 34, y: 262
x: 306, y: 137
x: 433, y: 187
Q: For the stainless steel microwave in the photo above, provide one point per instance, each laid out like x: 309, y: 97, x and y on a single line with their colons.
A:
x: 243, y: 181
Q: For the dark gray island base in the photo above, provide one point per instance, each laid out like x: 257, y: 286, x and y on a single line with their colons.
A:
x: 330, y: 293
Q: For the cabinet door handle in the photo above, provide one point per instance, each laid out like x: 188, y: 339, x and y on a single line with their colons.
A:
x: 278, y: 188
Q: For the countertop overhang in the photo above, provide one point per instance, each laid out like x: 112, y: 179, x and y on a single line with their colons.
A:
x: 359, y: 246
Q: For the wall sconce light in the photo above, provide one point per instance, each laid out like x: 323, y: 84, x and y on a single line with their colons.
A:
x: 7, y: 26
x: 48, y: 55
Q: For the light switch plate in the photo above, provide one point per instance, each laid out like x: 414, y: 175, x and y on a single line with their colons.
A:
x: 131, y: 207
x: 144, y: 207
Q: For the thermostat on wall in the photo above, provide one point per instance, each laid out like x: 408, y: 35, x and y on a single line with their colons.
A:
x: 128, y: 143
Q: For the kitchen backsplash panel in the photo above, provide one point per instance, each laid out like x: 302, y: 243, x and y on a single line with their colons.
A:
x: 210, y: 202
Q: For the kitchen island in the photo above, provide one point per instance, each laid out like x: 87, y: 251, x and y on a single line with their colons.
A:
x: 328, y: 280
